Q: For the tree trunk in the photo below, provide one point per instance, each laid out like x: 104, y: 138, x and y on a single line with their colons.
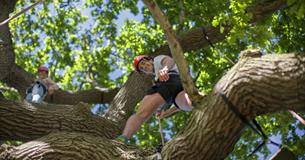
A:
x: 7, y: 56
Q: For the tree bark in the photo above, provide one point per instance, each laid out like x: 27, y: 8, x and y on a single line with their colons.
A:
x: 25, y: 122
x: 80, y: 146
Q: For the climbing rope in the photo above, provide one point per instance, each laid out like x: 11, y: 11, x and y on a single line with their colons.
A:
x: 20, y: 13
x: 159, y: 147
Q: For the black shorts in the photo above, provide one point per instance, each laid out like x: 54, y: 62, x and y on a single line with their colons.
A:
x: 169, y: 89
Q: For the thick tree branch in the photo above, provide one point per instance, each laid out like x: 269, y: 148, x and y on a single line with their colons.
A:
x: 98, y: 95
x: 176, y: 50
x: 255, y: 86
x: 19, y: 79
x: 194, y: 39
x: 22, y: 121
x: 66, y: 145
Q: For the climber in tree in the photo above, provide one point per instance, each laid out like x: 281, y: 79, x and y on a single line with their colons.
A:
x: 41, y: 87
x: 167, y: 89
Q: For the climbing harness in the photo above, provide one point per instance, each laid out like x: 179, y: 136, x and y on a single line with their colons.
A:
x: 256, y: 128
x: 20, y: 13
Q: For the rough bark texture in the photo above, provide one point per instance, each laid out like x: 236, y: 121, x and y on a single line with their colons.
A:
x: 76, y: 146
x: 22, y: 121
x: 19, y: 79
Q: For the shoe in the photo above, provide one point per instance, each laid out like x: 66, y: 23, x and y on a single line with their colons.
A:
x: 123, y: 139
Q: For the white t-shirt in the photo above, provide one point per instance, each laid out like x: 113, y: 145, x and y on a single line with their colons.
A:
x: 158, y: 66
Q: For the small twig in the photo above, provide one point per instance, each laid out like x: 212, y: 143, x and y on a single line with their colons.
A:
x: 297, y: 117
x: 19, y: 13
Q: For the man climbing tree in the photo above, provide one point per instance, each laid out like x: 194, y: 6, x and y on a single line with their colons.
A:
x: 167, y: 89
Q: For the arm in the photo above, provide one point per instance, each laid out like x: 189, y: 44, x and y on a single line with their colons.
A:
x: 52, y: 86
x: 167, y: 63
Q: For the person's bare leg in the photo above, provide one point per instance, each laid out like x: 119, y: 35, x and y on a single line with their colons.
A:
x: 183, y: 101
x: 148, y: 106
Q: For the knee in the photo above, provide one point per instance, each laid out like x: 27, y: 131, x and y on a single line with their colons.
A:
x: 143, y: 115
x: 186, y: 108
x: 148, y: 106
x: 148, y: 98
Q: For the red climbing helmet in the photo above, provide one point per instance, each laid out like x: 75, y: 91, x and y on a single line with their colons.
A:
x: 138, y: 59
x: 43, y: 69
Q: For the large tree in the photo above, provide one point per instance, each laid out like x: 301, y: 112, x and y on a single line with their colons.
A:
x: 92, y: 56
